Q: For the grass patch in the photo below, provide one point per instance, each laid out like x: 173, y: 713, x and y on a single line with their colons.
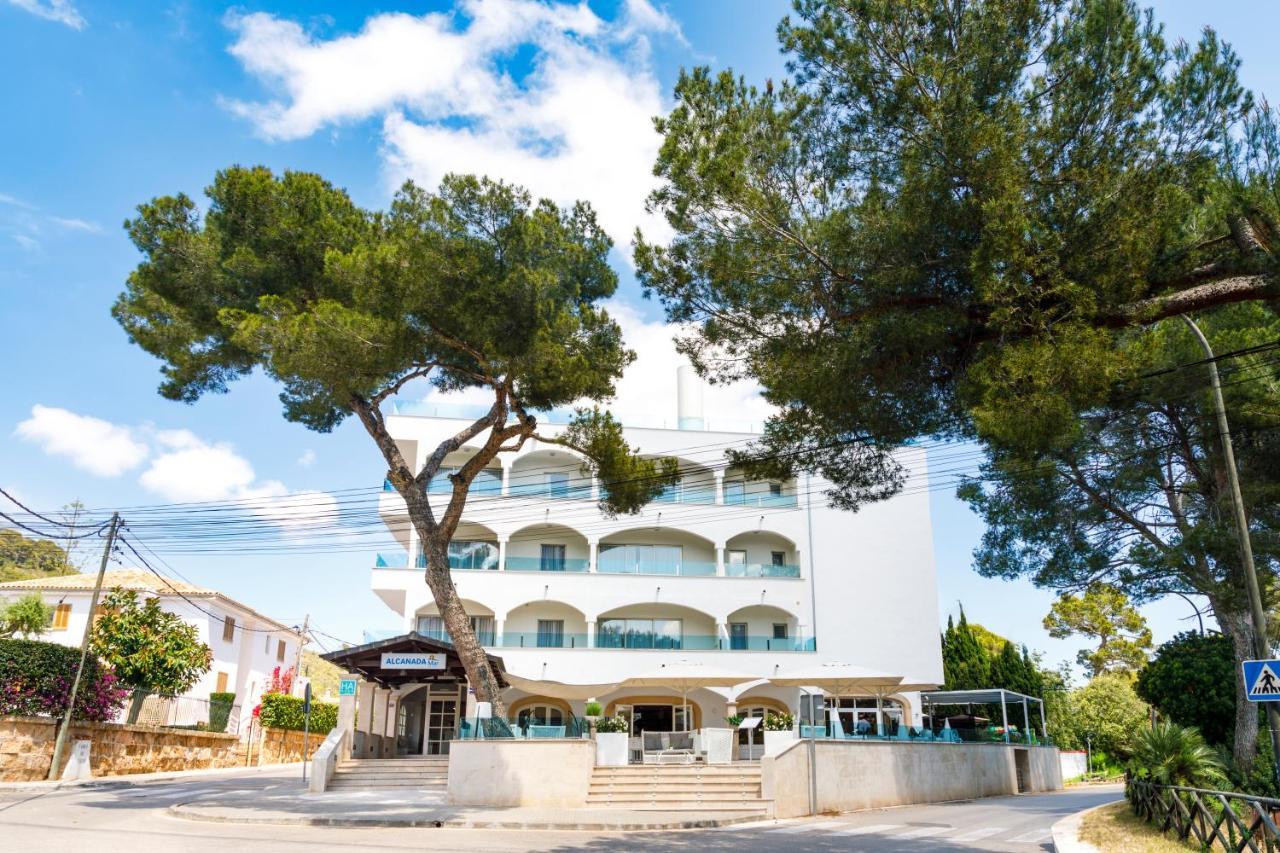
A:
x: 1116, y: 829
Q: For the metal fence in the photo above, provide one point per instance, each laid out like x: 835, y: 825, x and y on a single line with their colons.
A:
x: 180, y: 712
x: 1215, y: 820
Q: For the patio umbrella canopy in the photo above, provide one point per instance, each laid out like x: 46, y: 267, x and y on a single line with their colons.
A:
x: 559, y: 690
x: 684, y: 676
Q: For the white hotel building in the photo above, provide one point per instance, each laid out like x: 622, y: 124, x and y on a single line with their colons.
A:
x: 751, y: 576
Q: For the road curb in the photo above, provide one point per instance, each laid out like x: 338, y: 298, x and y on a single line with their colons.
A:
x: 184, y: 812
x: 1066, y: 832
x: 136, y: 779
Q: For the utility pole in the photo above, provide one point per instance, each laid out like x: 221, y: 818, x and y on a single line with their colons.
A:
x: 60, y: 744
x: 1260, y: 645
x: 302, y: 641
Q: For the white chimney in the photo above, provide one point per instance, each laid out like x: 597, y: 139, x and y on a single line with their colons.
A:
x: 688, y: 398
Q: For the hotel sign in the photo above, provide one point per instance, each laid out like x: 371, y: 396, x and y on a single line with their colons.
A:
x: 412, y: 660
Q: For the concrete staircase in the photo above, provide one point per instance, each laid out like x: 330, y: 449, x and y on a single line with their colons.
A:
x: 421, y: 773
x: 672, y: 788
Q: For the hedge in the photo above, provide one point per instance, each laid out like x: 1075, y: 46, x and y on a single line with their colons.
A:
x: 35, y: 681
x: 279, y: 711
x: 220, y: 705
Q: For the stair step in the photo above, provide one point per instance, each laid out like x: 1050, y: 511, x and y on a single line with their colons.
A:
x: 688, y: 770
x: 704, y: 806
x: 384, y: 783
x: 410, y: 777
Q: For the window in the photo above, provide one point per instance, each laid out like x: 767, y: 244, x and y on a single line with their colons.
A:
x: 228, y: 629
x: 639, y: 634
x: 552, y: 558
x: 465, y: 554
x: 539, y: 715
x: 775, y: 489
x: 640, y: 559
x: 61, y: 617
x: 557, y: 484
x: 778, y: 558
x: 737, y: 558
x: 280, y: 650
x: 779, y: 630
x: 221, y: 686
x: 550, y: 633
x: 738, y: 636
x: 735, y: 491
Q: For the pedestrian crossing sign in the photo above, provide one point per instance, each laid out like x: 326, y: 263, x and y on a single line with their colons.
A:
x: 1262, y: 680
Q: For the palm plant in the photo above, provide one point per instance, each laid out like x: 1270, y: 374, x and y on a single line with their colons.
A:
x: 1169, y: 754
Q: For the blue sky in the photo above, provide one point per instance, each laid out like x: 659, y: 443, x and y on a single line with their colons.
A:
x: 109, y: 104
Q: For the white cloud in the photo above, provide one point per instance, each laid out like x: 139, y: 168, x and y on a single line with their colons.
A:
x: 576, y: 124
x: 190, y: 469
x: 28, y: 226
x: 307, y: 459
x: 97, y: 446
x: 72, y: 224
x: 62, y: 11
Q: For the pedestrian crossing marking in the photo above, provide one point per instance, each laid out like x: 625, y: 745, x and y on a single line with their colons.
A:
x: 979, y: 834
x: 1033, y: 837
x: 867, y: 830
x: 924, y: 831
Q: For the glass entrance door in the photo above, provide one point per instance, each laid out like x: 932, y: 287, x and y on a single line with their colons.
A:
x: 442, y: 721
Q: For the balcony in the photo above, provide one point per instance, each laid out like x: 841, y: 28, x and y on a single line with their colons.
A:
x: 762, y: 570
x: 703, y: 642
x: 677, y: 567
x: 543, y: 640
x: 541, y: 564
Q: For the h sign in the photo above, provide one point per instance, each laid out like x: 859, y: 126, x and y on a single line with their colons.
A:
x: 1261, y: 680
x: 347, y: 687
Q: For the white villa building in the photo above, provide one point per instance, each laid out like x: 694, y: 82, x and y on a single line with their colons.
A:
x: 247, y: 646
x: 751, y: 576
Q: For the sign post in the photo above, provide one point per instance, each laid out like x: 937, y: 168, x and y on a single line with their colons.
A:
x: 306, y: 729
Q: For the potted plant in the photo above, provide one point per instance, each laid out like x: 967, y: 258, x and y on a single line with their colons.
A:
x: 611, y: 742
x: 592, y: 712
x: 779, y: 730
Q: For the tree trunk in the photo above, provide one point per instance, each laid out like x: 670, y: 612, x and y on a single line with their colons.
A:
x: 1237, y: 625
x: 458, y: 623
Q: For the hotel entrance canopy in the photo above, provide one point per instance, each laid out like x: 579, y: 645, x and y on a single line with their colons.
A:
x: 367, y: 661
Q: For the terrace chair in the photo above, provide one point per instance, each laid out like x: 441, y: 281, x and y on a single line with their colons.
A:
x: 949, y: 735
x: 838, y: 732
x: 904, y: 733
x: 668, y: 747
x: 926, y: 734
x: 546, y: 731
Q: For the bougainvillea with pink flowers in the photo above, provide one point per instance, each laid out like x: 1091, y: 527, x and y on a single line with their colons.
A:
x: 35, y: 681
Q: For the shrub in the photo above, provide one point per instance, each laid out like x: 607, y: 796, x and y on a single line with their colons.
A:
x: 779, y: 722
x: 220, y: 705
x: 1169, y: 754
x: 611, y: 725
x: 35, y: 681
x: 279, y: 711
x: 593, y: 709
x: 1191, y: 681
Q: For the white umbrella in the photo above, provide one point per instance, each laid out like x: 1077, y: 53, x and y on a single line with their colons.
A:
x: 558, y: 689
x: 687, y: 675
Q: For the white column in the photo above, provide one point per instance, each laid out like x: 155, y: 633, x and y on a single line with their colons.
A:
x: 591, y: 633
x: 722, y: 634
x: 593, y: 546
x: 719, y: 558
x: 364, y: 704
x: 595, y: 488
x: 498, y: 627
x: 502, y: 552
x: 414, y: 545
x: 378, y: 724
x: 719, y: 475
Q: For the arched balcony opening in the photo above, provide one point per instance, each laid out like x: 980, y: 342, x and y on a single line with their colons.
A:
x: 697, y: 485
x: 549, y: 474
x: 473, y: 547
x: 547, y: 548
x: 761, y: 554
x: 741, y: 490
x: 656, y: 625
x: 660, y: 551
x: 428, y: 622
x: 488, y: 481
x: 763, y: 628
x: 544, y: 625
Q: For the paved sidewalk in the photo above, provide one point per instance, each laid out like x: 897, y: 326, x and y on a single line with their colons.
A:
x: 289, y: 804
x: 147, y: 778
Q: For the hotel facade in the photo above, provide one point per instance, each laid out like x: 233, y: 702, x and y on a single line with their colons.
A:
x: 757, y: 577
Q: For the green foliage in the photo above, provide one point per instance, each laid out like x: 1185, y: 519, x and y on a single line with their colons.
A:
x: 22, y: 558
x: 593, y: 709
x: 1102, y: 613
x: 1191, y: 682
x: 628, y: 481
x: 324, y: 676
x: 150, y: 649
x: 35, y: 681
x: 734, y: 720
x: 778, y: 722
x: 220, y: 705
x: 1169, y: 754
x: 612, y: 725
x: 281, y: 711
x: 1107, y: 711
x: 28, y: 617
x: 966, y: 665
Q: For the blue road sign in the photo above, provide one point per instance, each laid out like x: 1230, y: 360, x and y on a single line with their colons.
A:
x: 1262, y: 680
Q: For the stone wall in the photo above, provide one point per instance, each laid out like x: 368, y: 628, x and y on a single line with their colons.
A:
x: 283, y: 746
x: 26, y: 748
x: 855, y: 775
x: 550, y: 773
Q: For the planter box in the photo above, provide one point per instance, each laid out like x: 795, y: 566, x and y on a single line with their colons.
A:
x: 611, y: 749
x: 775, y: 742
x: 718, y: 745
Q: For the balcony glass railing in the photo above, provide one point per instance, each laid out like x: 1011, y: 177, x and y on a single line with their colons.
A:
x: 391, y: 561
x: 761, y: 499
x: 542, y: 640
x: 683, y: 568
x: 462, y: 563
x: 486, y: 638
x: 704, y: 642
x: 538, y: 564
x: 687, y: 495
x: 574, y: 491
x: 761, y: 570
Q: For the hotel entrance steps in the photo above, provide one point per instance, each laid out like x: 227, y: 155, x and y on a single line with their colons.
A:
x: 430, y: 773
x: 689, y: 787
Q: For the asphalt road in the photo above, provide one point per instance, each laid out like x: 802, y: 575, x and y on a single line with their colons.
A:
x: 130, y: 819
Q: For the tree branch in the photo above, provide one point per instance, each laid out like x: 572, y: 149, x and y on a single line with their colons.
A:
x: 1223, y: 291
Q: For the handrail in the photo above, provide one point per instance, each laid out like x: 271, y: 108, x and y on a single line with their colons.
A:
x: 326, y: 758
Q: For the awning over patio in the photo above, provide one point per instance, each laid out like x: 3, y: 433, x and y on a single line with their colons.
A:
x: 408, y: 659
